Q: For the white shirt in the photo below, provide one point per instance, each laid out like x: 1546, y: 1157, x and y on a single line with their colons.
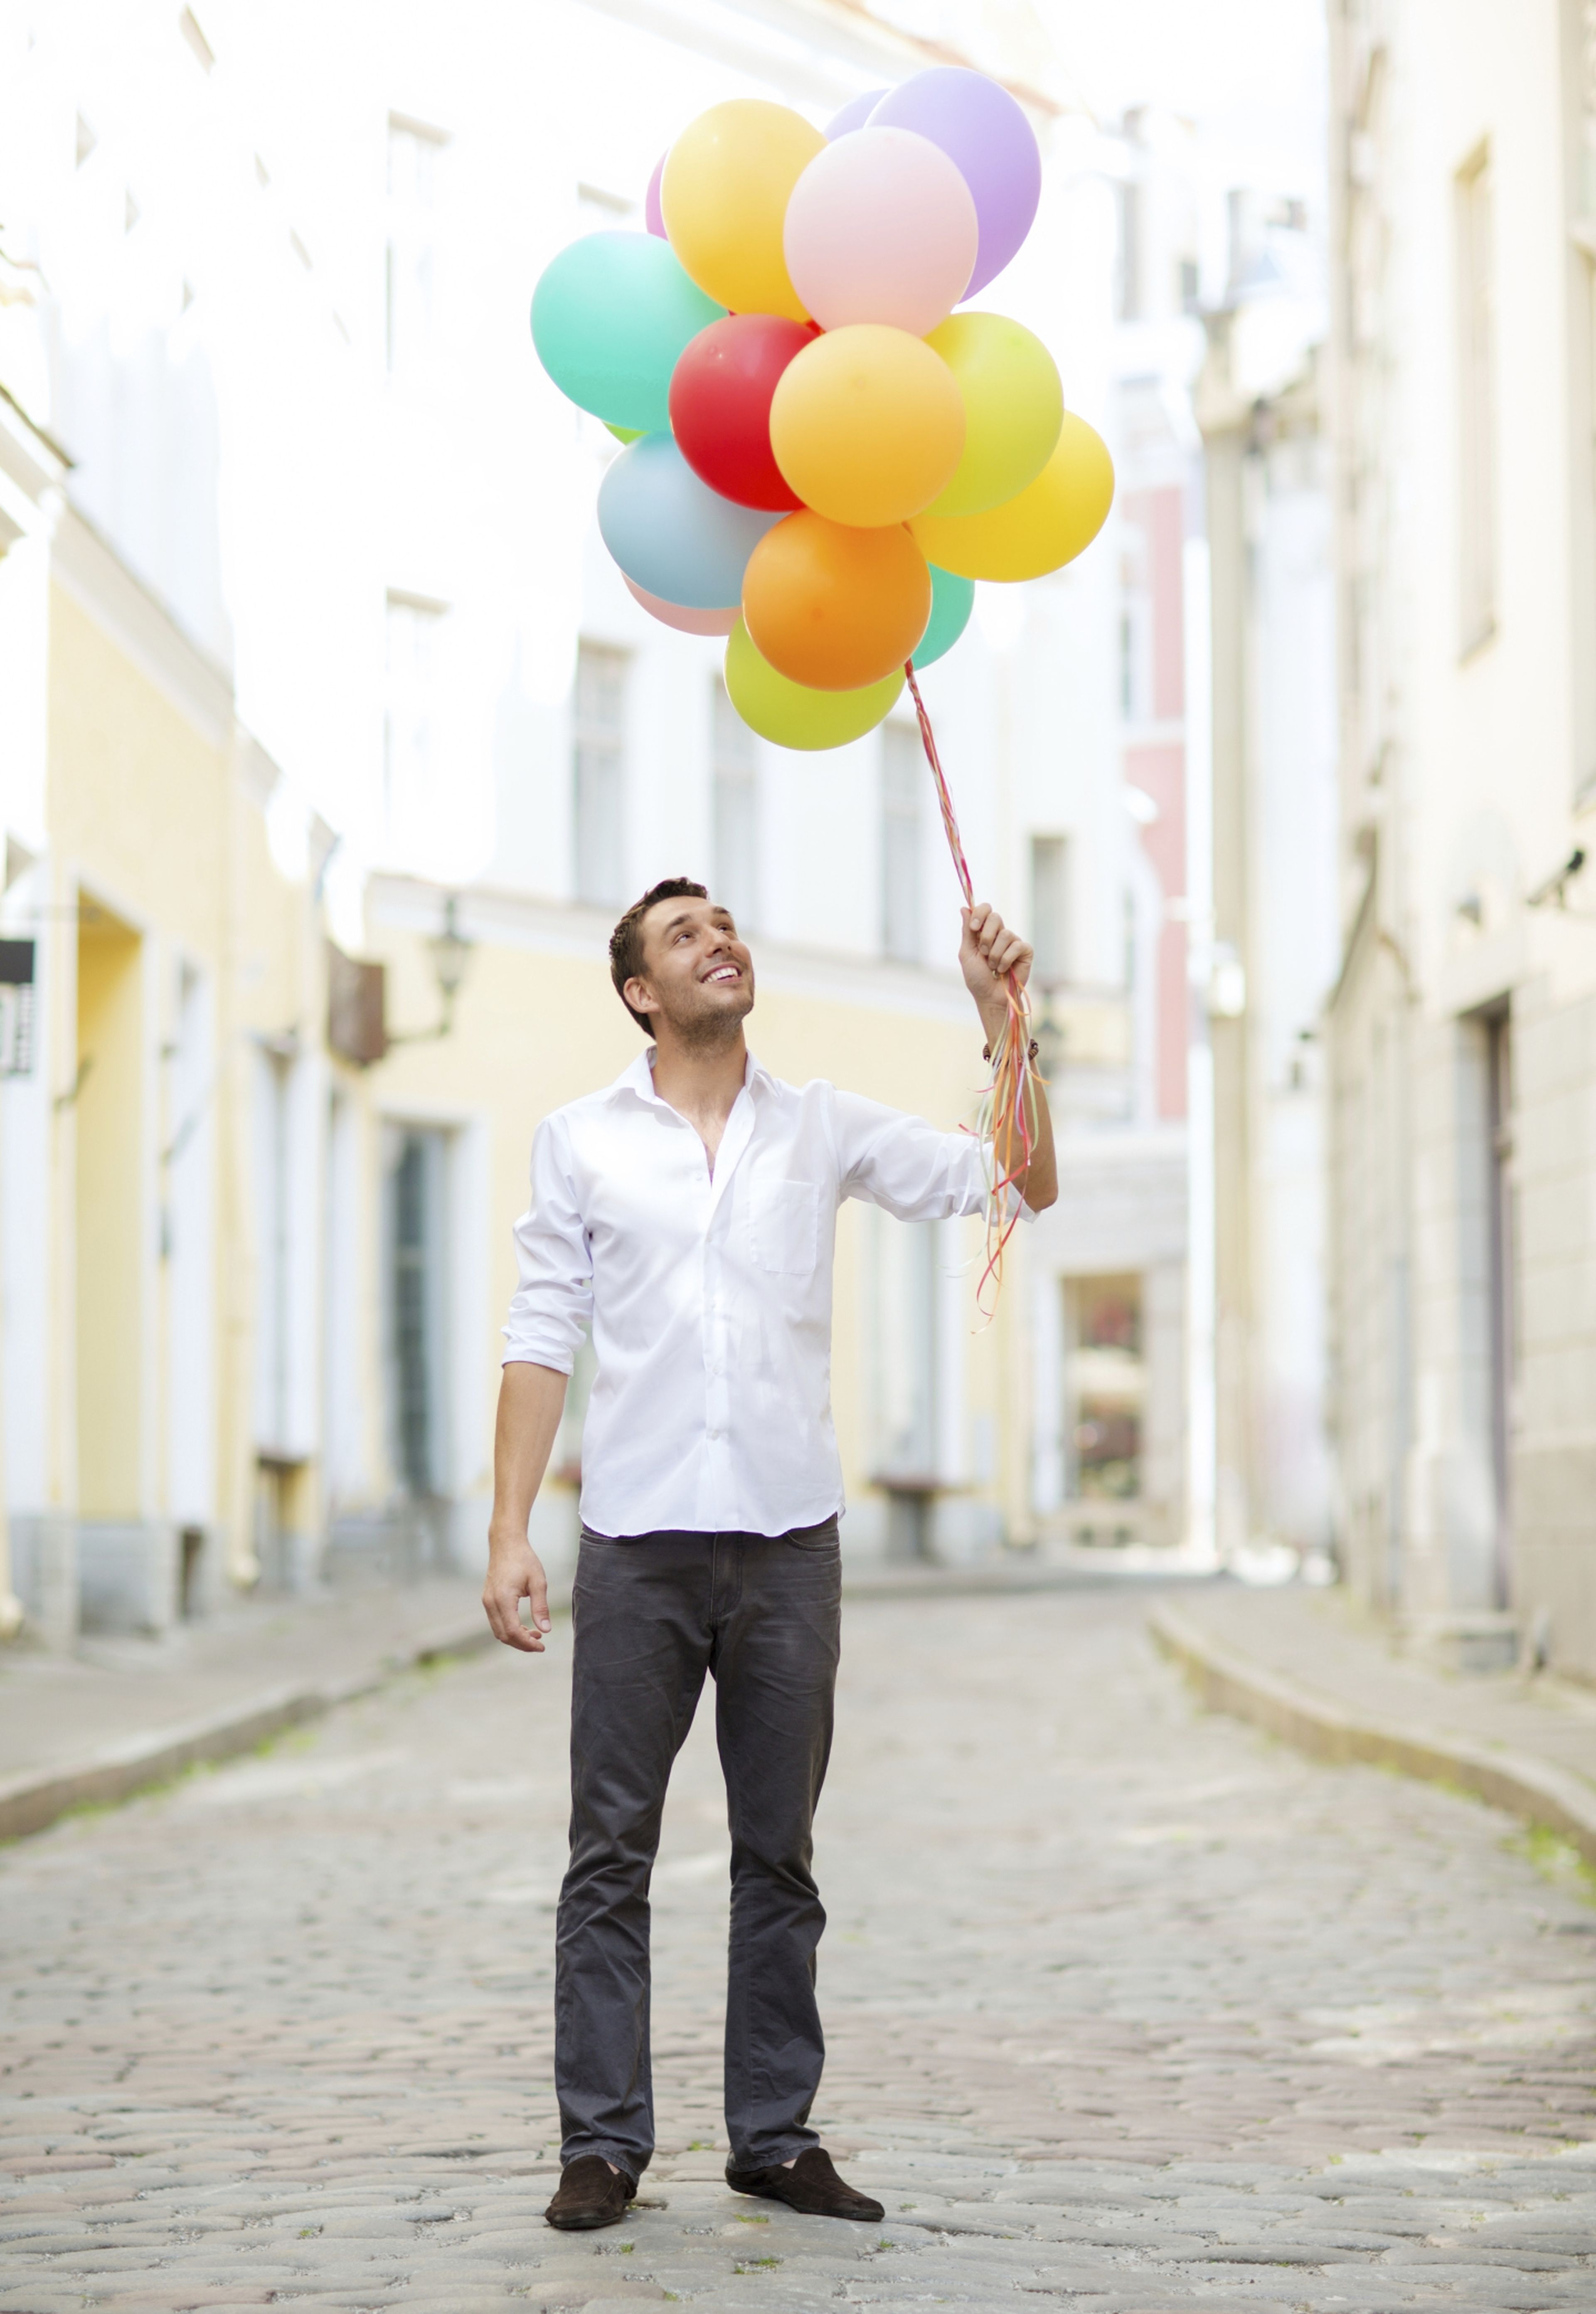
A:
x: 710, y: 1299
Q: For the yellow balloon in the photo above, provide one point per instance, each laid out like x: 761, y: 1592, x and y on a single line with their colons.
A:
x: 867, y: 425
x: 793, y: 715
x: 1046, y: 526
x: 724, y: 199
x: 1014, y: 406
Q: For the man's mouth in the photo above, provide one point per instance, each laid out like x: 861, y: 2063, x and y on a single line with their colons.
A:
x: 726, y: 972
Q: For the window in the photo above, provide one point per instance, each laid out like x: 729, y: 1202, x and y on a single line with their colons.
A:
x: 1135, y: 620
x: 1129, y: 284
x: 1106, y: 1387
x: 411, y: 765
x: 599, y: 770
x: 904, y: 779
x: 1050, y: 900
x: 415, y: 159
x: 1476, y: 410
x: 906, y: 1313
x: 735, y: 774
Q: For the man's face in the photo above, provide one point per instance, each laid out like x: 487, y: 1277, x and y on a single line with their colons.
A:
x: 697, y: 974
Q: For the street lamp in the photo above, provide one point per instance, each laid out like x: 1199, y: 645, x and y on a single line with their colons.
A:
x: 451, y: 956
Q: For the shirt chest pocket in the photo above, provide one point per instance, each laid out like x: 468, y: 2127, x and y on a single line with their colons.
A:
x: 784, y: 1227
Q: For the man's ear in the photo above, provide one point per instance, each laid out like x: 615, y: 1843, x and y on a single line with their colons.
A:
x: 640, y: 995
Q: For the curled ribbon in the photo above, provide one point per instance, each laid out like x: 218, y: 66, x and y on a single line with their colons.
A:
x: 1007, y: 1106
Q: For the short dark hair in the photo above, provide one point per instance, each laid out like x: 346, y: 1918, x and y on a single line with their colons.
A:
x: 626, y: 941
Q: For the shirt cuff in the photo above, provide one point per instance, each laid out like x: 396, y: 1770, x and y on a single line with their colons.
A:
x: 519, y: 1351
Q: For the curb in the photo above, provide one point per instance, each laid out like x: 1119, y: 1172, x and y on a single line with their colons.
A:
x: 31, y: 1803
x: 1527, y: 1788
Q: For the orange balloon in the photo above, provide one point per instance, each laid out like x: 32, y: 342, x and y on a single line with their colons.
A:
x: 833, y: 606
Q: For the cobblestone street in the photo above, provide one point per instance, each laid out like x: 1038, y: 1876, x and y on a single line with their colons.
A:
x: 1127, y: 2009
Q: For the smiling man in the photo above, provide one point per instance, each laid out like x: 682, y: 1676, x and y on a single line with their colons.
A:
x: 688, y: 1213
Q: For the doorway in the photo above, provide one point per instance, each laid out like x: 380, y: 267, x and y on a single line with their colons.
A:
x: 417, y: 1310
x: 1501, y: 1228
x: 106, y: 1104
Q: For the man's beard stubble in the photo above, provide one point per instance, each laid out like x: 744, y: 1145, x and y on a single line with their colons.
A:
x: 708, y: 1028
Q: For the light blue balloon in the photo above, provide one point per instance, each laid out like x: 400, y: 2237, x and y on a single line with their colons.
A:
x: 952, y: 601
x: 672, y: 534
x: 609, y: 318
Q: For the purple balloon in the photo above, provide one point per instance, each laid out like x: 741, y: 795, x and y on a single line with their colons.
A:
x: 988, y: 138
x: 653, y: 215
x: 853, y: 114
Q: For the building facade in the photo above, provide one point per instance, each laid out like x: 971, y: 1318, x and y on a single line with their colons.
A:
x: 1461, y: 1025
x: 339, y: 745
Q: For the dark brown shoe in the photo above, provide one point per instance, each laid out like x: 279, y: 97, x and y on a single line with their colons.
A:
x: 590, y: 2193
x: 811, y: 2186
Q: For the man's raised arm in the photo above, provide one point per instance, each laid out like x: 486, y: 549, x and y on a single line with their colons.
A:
x: 530, y: 1401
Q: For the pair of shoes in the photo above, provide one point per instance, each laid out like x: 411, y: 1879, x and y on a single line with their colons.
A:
x: 811, y: 2185
x: 590, y: 2193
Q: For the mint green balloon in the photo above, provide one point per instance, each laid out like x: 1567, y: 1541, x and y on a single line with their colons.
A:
x: 609, y: 318
x: 952, y: 601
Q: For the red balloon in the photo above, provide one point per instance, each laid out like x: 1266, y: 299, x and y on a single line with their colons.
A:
x: 721, y: 405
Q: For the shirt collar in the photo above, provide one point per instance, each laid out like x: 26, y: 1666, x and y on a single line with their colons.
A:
x: 637, y: 1077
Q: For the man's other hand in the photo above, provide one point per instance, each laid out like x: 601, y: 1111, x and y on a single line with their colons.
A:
x: 516, y: 1572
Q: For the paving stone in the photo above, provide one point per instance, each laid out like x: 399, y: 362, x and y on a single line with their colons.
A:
x: 1127, y: 2010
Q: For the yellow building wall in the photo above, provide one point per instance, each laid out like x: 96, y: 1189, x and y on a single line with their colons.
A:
x: 153, y: 825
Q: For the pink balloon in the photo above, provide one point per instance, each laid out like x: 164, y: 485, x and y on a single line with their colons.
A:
x: 881, y: 227
x: 653, y: 215
x: 677, y: 614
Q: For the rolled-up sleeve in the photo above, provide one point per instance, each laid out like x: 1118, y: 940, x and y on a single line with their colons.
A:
x: 553, y: 1302
x: 903, y: 1163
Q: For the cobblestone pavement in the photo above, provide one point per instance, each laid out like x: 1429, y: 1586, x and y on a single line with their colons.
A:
x: 1128, y: 2011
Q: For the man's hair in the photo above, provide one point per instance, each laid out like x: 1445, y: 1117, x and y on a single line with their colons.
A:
x: 626, y: 941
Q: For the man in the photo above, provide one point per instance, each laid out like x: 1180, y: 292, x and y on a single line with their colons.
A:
x: 688, y: 1211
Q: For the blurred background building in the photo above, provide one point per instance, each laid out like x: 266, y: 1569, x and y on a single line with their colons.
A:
x: 1462, y: 1023
x: 331, y: 745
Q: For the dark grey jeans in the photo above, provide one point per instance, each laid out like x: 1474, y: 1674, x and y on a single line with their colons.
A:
x: 652, y: 1614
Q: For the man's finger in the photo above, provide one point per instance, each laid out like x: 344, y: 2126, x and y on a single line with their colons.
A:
x: 504, y: 1613
x: 538, y: 1596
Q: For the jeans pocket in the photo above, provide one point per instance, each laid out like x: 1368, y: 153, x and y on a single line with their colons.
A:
x: 815, y: 1542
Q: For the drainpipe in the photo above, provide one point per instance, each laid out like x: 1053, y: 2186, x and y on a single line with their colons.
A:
x: 1202, y: 1283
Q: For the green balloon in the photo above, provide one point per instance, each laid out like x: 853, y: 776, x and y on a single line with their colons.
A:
x: 791, y: 714
x: 610, y: 317
x: 952, y: 601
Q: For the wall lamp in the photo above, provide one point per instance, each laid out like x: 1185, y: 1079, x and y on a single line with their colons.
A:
x: 450, y: 957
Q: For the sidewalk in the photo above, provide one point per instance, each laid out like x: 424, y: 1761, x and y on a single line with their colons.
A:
x: 94, y: 1727
x: 1312, y: 1669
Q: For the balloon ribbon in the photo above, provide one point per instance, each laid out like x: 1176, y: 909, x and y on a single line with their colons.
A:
x: 1007, y: 1106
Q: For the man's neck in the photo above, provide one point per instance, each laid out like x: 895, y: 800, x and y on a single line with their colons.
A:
x: 701, y: 1083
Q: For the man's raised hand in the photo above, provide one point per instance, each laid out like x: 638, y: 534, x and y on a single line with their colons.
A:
x: 516, y: 1572
x: 987, y: 953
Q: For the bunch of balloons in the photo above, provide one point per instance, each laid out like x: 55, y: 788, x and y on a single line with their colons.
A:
x: 823, y: 454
